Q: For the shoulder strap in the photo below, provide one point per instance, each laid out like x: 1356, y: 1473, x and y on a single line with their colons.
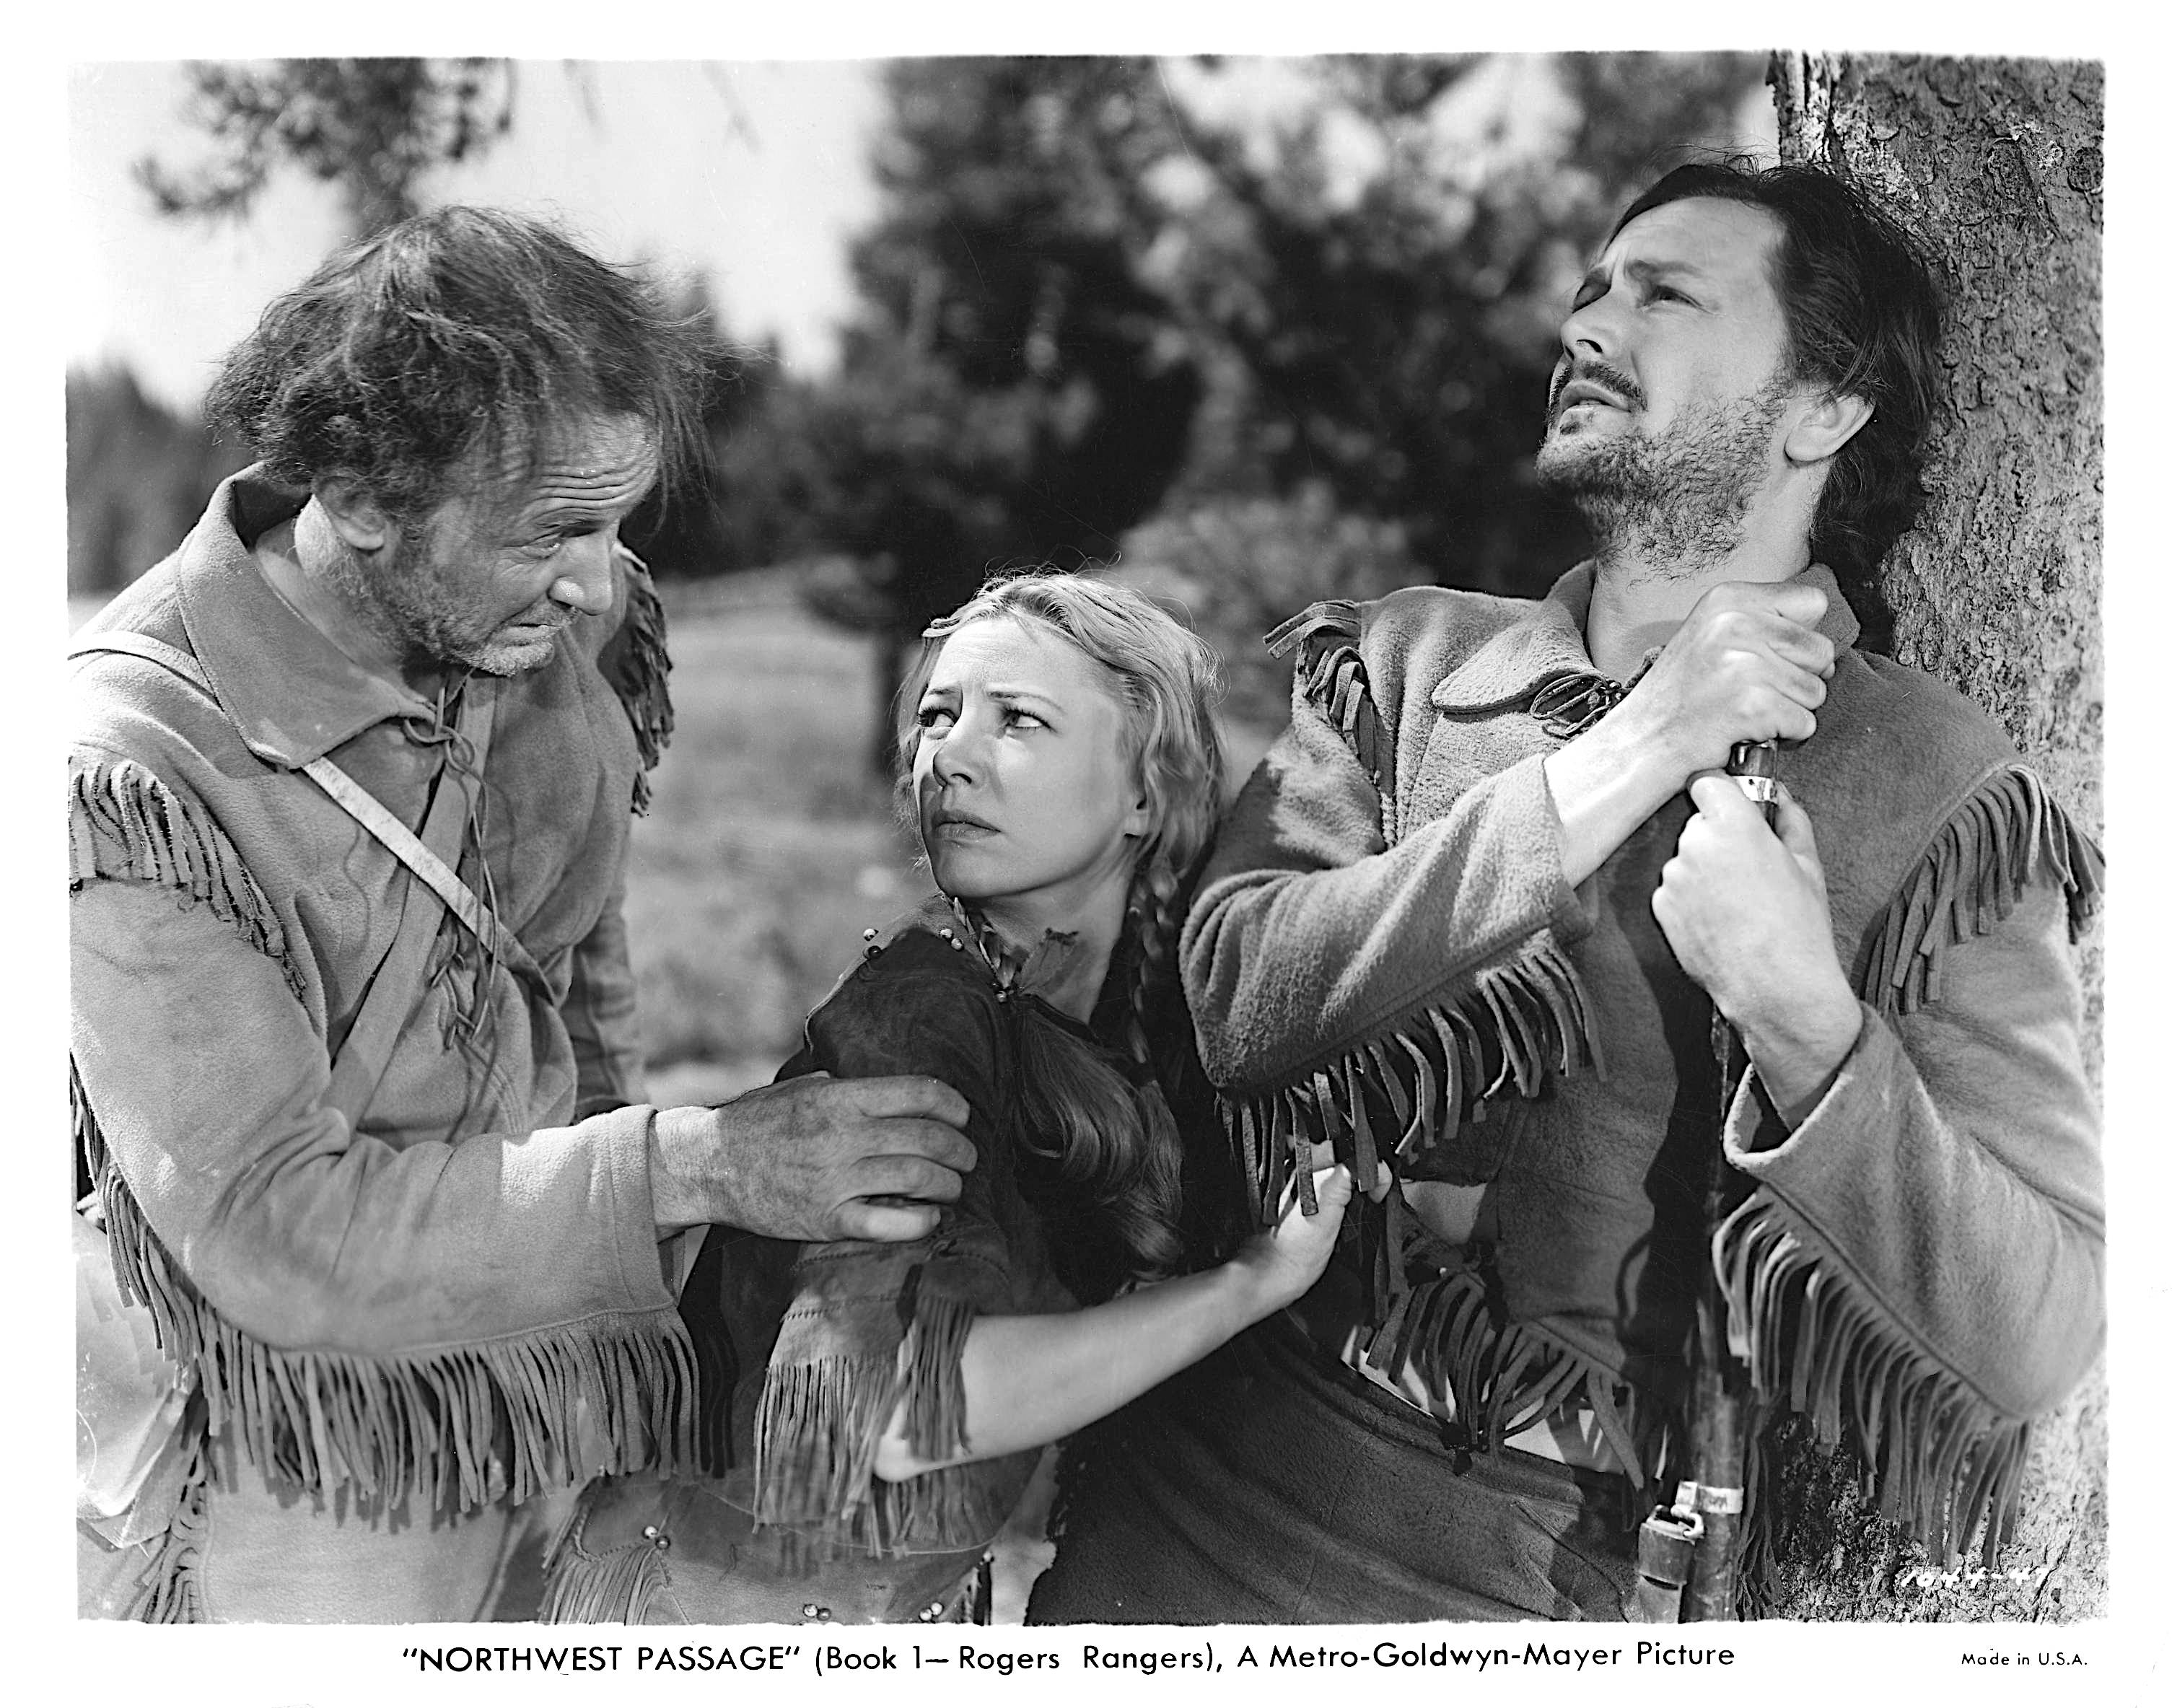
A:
x: 374, y: 816
x: 363, y: 1054
x: 415, y: 852
x: 396, y: 987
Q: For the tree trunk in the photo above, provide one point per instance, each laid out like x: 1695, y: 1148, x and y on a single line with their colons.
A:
x: 1998, y: 164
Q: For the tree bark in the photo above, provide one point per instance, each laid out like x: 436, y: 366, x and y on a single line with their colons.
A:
x: 1998, y: 166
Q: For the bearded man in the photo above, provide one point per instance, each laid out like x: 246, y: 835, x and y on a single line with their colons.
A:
x: 353, y: 1066
x: 1469, y: 923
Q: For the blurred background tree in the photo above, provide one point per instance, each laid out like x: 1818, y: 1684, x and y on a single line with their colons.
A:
x: 377, y: 131
x: 1213, y: 301
x: 1237, y: 566
x: 1014, y: 391
x: 374, y: 128
x: 1108, y: 292
x: 1384, y: 265
x: 138, y: 473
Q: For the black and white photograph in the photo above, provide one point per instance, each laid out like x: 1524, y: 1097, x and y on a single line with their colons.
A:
x: 1246, y: 859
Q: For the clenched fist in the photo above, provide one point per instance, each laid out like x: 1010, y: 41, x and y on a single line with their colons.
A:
x: 1747, y: 664
x: 1743, y: 905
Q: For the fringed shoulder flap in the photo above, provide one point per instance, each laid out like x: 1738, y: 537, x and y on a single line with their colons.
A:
x: 124, y: 822
x: 1331, y: 676
x: 1338, y: 620
x: 637, y: 665
x: 2005, y: 835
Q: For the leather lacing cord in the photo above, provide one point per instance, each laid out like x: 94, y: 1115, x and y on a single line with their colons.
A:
x: 1569, y: 705
x: 472, y: 1018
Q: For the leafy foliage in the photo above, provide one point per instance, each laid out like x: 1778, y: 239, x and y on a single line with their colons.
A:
x: 699, y: 531
x: 1015, y: 389
x: 1105, y: 290
x: 1387, y: 264
x: 1102, y: 288
x: 1239, y: 566
x: 373, y: 127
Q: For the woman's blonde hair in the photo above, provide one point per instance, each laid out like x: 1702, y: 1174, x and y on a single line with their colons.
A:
x: 1118, y: 1162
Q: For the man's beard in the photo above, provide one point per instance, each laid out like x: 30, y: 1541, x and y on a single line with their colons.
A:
x: 411, y: 597
x: 1675, y: 502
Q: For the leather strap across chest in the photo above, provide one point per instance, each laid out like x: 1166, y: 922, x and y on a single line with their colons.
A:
x: 364, y: 1052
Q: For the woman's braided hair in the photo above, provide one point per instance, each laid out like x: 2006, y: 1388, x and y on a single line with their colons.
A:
x: 1121, y: 1163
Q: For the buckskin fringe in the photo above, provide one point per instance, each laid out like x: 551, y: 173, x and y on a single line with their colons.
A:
x: 173, y: 1589
x: 123, y: 822
x: 1331, y: 675
x: 818, y: 1424
x: 614, y: 1588
x: 1504, y: 1377
x: 428, y: 1424
x: 1408, y: 1090
x: 640, y: 672
x: 2004, y: 837
x: 1940, y: 1459
x: 1339, y: 618
x: 815, y: 1431
x: 948, y: 1508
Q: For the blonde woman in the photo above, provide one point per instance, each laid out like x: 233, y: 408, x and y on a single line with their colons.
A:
x: 874, y: 1411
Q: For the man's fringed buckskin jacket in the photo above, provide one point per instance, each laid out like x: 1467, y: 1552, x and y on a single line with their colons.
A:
x: 419, y: 1311
x: 1384, y: 954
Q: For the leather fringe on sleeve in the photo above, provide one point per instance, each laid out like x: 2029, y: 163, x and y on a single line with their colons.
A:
x: 1331, y: 675
x: 2006, y: 835
x: 821, y: 1419
x: 1943, y: 1460
x: 1408, y: 1091
x: 639, y: 668
x: 172, y: 1593
x: 1435, y: 1067
x: 458, y: 1425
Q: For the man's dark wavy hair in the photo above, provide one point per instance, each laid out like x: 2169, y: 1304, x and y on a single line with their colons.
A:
x: 464, y: 331
x: 1864, y: 312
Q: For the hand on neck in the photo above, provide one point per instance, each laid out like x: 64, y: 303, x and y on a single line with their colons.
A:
x: 1639, y: 596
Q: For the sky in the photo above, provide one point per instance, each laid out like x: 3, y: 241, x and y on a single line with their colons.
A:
x: 753, y: 175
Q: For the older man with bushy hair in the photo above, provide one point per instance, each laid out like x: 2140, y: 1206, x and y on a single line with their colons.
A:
x: 353, y: 1065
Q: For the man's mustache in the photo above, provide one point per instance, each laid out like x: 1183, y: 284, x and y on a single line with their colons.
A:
x: 1599, y: 373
